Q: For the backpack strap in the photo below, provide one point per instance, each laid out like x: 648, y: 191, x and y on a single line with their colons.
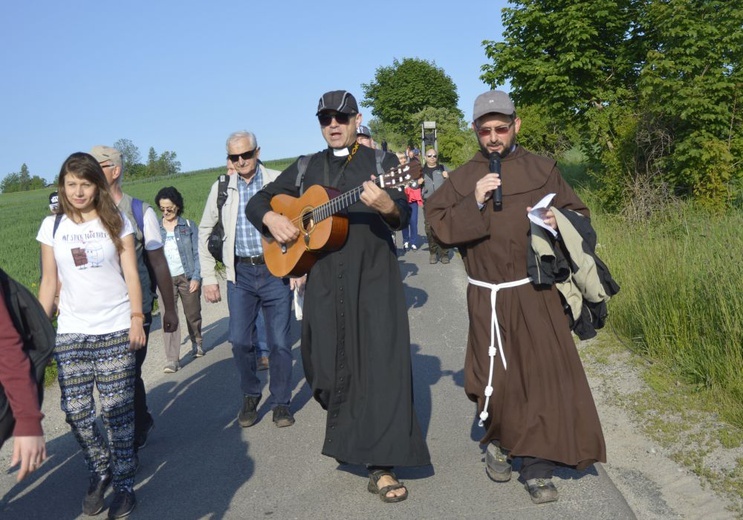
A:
x: 224, y: 181
x: 379, y: 154
x: 302, y: 163
x: 57, y: 220
x: 138, y: 213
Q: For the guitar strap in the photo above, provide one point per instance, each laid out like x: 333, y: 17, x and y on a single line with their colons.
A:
x: 326, y: 169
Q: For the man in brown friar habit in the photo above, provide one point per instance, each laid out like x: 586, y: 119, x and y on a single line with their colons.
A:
x: 521, y: 365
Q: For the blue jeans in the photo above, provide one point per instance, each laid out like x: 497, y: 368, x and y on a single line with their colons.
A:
x: 256, y: 288
x: 260, y: 336
x: 410, y: 233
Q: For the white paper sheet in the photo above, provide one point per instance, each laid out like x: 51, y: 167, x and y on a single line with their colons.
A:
x: 537, y: 212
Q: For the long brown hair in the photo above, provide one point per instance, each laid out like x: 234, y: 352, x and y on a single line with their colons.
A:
x: 85, y: 166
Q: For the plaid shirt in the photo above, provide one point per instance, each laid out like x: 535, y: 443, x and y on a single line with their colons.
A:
x: 247, y: 237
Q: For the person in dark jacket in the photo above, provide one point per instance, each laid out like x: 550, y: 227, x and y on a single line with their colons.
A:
x: 434, y: 175
x: 29, y: 449
x: 181, y: 246
x: 359, y: 371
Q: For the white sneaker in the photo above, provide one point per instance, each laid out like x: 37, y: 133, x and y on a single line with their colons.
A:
x: 414, y: 247
x: 406, y: 246
x: 170, y: 368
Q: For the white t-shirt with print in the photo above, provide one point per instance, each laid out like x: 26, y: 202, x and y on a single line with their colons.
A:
x: 94, y: 297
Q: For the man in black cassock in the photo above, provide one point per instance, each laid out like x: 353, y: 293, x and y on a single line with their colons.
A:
x: 355, y: 333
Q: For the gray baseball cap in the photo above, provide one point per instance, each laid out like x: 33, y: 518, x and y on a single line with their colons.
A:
x: 493, y: 102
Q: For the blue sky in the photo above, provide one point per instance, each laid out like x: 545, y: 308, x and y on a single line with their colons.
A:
x: 181, y: 76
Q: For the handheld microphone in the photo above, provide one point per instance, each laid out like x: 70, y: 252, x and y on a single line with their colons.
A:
x: 498, y: 193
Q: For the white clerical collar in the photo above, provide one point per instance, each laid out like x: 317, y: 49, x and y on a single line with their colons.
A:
x: 340, y: 152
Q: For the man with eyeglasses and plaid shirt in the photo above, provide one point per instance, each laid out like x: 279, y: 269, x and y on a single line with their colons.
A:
x: 534, y: 402
x: 250, y: 286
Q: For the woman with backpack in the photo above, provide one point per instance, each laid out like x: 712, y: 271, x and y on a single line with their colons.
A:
x: 89, y: 249
x: 181, y: 239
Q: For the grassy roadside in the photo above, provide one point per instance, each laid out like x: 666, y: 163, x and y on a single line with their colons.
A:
x: 684, y: 422
x: 678, y: 320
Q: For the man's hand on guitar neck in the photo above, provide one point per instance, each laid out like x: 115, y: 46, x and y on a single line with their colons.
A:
x: 280, y: 227
x: 378, y: 199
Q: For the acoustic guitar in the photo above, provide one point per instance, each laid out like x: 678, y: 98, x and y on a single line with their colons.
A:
x: 321, y: 226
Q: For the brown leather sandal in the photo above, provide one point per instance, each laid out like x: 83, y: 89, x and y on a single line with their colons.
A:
x: 373, y: 486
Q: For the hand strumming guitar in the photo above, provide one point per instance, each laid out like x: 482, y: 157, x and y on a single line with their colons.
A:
x: 281, y: 228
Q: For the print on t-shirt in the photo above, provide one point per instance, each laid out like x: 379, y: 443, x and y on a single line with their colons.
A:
x: 89, y: 250
x: 91, y: 254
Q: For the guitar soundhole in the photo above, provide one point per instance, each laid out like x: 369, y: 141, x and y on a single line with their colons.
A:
x: 307, y: 221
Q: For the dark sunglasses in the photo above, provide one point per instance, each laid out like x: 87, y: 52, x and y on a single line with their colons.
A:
x: 341, y: 119
x: 167, y: 210
x: 234, y: 157
x: 500, y: 130
x: 431, y: 155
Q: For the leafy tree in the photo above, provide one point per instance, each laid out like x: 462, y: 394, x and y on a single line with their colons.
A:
x: 651, y: 87
x: 164, y: 164
x: 137, y: 171
x: 22, y: 181
x: 129, y: 154
x: 24, y: 178
x: 10, y: 183
x: 691, y: 85
x: 169, y: 164
x: 405, y: 88
x: 567, y: 55
x: 153, y: 166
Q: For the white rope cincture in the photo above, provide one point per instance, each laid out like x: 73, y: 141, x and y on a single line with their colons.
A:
x: 494, y: 334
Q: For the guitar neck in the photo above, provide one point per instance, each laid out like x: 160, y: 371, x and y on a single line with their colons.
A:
x: 395, y: 178
x: 338, y: 203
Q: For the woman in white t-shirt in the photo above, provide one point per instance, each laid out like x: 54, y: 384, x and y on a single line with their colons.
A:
x: 89, y: 249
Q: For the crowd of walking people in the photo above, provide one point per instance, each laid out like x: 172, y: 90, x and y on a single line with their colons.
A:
x: 105, y: 256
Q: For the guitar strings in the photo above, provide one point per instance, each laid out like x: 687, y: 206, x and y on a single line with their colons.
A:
x: 343, y: 200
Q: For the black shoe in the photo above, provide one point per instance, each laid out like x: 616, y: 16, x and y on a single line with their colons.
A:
x: 93, y: 501
x: 282, y: 416
x: 248, y: 413
x: 140, y: 438
x: 123, y: 504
